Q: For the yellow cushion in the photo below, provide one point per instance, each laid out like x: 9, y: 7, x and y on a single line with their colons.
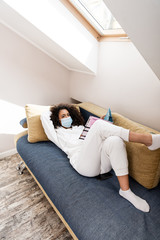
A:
x: 35, y: 129
x: 144, y: 165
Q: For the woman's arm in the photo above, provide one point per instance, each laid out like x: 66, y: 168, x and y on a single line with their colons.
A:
x: 49, y: 128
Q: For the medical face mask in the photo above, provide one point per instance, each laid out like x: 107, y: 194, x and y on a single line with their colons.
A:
x: 66, y: 122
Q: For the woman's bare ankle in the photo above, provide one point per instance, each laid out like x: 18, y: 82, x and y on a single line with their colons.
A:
x: 123, y: 182
x: 145, y: 139
x: 148, y: 140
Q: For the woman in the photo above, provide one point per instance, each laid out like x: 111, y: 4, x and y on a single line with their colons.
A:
x: 102, y: 150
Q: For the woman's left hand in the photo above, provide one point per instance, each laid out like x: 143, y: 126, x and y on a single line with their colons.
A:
x: 103, y: 117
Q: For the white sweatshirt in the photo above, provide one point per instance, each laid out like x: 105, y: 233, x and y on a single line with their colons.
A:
x: 66, y: 139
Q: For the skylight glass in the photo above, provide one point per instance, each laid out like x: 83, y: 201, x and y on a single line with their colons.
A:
x: 97, y: 13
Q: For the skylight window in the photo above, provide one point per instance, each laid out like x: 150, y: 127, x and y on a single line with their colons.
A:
x: 97, y: 14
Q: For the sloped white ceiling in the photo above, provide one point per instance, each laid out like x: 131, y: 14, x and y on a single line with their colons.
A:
x: 52, y: 28
x: 140, y: 19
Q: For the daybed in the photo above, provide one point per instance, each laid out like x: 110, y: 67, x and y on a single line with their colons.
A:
x: 92, y: 209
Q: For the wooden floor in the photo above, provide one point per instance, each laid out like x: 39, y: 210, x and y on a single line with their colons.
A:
x: 24, y: 211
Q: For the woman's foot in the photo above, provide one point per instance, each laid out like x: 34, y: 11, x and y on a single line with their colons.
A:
x: 138, y: 202
x: 155, y: 142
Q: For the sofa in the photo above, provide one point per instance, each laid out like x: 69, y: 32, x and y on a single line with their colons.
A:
x: 91, y: 208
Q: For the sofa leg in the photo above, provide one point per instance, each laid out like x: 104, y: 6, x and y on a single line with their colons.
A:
x: 20, y: 167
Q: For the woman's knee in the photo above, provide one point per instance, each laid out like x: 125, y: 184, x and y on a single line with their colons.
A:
x: 100, y: 123
x: 99, y: 126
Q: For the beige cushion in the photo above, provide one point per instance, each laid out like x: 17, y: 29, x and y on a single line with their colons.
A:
x: 35, y: 128
x: 144, y: 165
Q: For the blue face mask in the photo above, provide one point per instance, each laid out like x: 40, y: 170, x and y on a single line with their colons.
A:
x: 66, y: 122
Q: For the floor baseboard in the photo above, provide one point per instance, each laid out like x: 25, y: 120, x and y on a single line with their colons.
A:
x: 8, y: 153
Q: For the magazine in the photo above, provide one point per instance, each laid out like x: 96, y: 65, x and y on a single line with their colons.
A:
x: 89, y: 123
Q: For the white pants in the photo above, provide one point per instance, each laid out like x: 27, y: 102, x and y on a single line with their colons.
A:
x: 103, y: 149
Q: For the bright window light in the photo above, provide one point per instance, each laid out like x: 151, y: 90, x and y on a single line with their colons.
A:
x: 11, y: 114
x: 97, y: 13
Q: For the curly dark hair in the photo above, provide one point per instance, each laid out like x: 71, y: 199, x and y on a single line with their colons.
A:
x: 73, y: 111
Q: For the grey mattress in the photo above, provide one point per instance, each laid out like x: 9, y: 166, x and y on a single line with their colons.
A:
x: 92, y: 208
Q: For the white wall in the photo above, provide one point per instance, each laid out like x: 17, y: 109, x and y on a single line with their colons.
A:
x: 140, y: 20
x: 27, y: 76
x: 124, y: 82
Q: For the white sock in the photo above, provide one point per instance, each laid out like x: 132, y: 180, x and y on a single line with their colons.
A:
x: 155, y: 142
x: 138, y: 202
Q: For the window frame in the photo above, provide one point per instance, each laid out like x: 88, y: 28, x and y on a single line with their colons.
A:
x: 109, y: 35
